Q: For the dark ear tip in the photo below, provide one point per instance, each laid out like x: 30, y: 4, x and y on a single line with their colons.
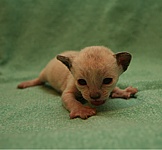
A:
x: 125, y: 54
x: 123, y: 59
x: 128, y: 54
x: 59, y: 57
x: 65, y: 60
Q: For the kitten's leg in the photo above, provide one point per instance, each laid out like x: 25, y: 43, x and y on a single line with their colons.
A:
x: 30, y: 83
x: 124, y: 93
x: 75, y: 108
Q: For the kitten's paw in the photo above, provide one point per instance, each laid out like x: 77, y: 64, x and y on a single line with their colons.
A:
x: 130, y: 92
x: 126, y: 93
x: 82, y: 112
x: 131, y: 89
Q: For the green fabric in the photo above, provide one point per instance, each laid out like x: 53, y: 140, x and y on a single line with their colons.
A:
x: 33, y: 31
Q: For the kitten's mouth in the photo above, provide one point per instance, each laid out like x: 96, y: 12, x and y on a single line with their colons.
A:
x: 97, y: 103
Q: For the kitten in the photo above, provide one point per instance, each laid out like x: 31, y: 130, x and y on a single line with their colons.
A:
x: 91, y: 74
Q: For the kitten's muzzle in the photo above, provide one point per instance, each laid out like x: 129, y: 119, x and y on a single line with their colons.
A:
x: 97, y: 102
x: 95, y: 99
x: 95, y: 96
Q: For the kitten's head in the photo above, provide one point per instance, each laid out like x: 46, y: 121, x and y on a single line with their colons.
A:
x: 96, y: 71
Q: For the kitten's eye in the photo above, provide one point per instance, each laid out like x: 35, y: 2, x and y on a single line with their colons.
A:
x: 107, y: 80
x: 82, y: 82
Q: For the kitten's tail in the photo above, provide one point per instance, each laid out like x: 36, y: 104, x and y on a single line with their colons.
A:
x: 30, y: 83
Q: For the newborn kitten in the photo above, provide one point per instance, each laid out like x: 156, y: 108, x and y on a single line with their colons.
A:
x: 91, y: 74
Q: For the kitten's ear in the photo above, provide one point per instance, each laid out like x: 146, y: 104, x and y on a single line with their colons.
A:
x: 123, y: 59
x: 65, y: 60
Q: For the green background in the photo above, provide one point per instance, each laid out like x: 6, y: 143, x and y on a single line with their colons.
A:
x: 33, y: 31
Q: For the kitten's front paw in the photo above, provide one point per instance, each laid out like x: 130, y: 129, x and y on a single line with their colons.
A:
x: 82, y: 112
x: 130, y: 92
x: 126, y: 93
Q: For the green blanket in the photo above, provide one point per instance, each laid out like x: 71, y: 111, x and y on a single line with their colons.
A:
x: 33, y: 31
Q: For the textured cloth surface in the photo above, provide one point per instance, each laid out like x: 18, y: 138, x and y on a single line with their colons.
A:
x: 33, y: 31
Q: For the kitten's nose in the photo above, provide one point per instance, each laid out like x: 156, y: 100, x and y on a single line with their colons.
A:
x: 95, y: 96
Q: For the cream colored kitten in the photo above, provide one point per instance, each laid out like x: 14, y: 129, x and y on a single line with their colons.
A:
x: 91, y: 73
